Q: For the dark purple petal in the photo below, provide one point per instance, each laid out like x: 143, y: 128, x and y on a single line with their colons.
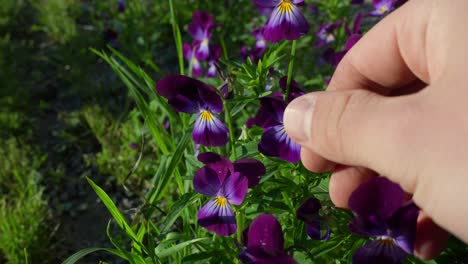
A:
x: 352, y: 40
x: 309, y: 210
x: 220, y: 164
x: 212, y: 71
x: 295, y: 89
x: 402, y: 226
x: 189, y: 95
x: 267, y: 3
x: 276, y: 143
x: 270, y: 112
x: 207, y: 181
x: 208, y: 130
x: 379, y: 197
x: 217, y: 216
x: 286, y: 22
x: 315, y: 231
x: 202, y: 49
x: 235, y: 188
x: 252, y: 169
x: 357, y: 24
x: 381, y: 251
x: 265, y: 232
x: 357, y: 2
x: 121, y: 7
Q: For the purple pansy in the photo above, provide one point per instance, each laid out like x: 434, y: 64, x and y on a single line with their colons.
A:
x: 326, y: 33
x: 382, y: 7
x: 275, y: 142
x: 354, y: 35
x: 262, y: 10
x: 189, y: 55
x: 286, y: 21
x: 227, y: 182
x: 265, y: 242
x: 309, y: 213
x: 215, y: 54
x: 381, y: 212
x: 199, y: 29
x: 191, y: 96
x: 121, y: 7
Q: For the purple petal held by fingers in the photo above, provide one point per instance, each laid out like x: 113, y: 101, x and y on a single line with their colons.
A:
x: 207, y: 182
x: 403, y: 226
x: 252, y: 169
x: 276, y: 143
x: 234, y: 188
x: 270, y: 113
x: 217, y: 216
x: 378, y: 197
x: 209, y: 130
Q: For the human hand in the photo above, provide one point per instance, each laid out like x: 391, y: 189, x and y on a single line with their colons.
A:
x: 397, y: 106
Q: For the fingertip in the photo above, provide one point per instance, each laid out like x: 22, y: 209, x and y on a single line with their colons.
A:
x: 431, y: 239
x: 344, y: 181
x: 314, y: 162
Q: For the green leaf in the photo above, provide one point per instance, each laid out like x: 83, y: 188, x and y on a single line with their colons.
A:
x: 162, y: 253
x: 114, y: 211
x: 184, y: 201
x: 86, y: 251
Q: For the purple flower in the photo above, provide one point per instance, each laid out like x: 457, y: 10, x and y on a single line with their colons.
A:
x: 133, y: 146
x: 258, y: 35
x: 227, y: 182
x: 357, y: 2
x: 212, y: 70
x: 309, y: 213
x: 265, y: 242
x: 264, y: 11
x: 382, y: 6
x: 286, y: 20
x: 199, y: 29
x: 189, y: 55
x: 275, y: 142
x: 121, y: 7
x: 326, y: 34
x: 381, y: 212
x: 191, y: 96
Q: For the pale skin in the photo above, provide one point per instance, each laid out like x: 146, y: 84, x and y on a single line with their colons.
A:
x: 397, y: 106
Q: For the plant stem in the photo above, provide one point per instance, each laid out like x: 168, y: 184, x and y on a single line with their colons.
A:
x: 232, y: 139
x: 177, y: 38
x: 290, y: 70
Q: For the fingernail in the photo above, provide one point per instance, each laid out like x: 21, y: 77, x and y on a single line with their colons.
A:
x: 298, y: 118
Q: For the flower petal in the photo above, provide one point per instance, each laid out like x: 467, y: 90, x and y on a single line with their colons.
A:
x: 270, y: 112
x: 309, y: 210
x: 206, y: 181
x: 235, y: 188
x: 209, y: 130
x: 221, y: 165
x: 201, y: 23
x: 217, y: 218
x: 267, y: 3
x: 276, y: 143
x: 250, y: 168
x: 286, y: 23
x: 265, y: 232
x: 403, y: 226
x: 378, y: 198
x: 379, y: 251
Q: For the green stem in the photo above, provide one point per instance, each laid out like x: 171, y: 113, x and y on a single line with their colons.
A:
x: 290, y: 70
x: 232, y: 139
x: 240, y: 224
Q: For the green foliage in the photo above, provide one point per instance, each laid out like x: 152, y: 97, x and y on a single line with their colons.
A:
x: 23, y: 209
x: 55, y: 18
x: 8, y: 10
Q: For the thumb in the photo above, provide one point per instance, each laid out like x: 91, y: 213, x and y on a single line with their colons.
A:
x: 356, y: 128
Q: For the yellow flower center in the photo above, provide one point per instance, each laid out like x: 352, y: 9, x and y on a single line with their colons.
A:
x: 206, y: 116
x: 386, y: 241
x: 383, y: 9
x: 194, y: 60
x: 285, y: 6
x: 221, y: 201
x: 205, y: 42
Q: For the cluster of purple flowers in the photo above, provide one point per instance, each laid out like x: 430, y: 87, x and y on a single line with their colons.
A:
x: 201, y: 49
x: 379, y: 206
